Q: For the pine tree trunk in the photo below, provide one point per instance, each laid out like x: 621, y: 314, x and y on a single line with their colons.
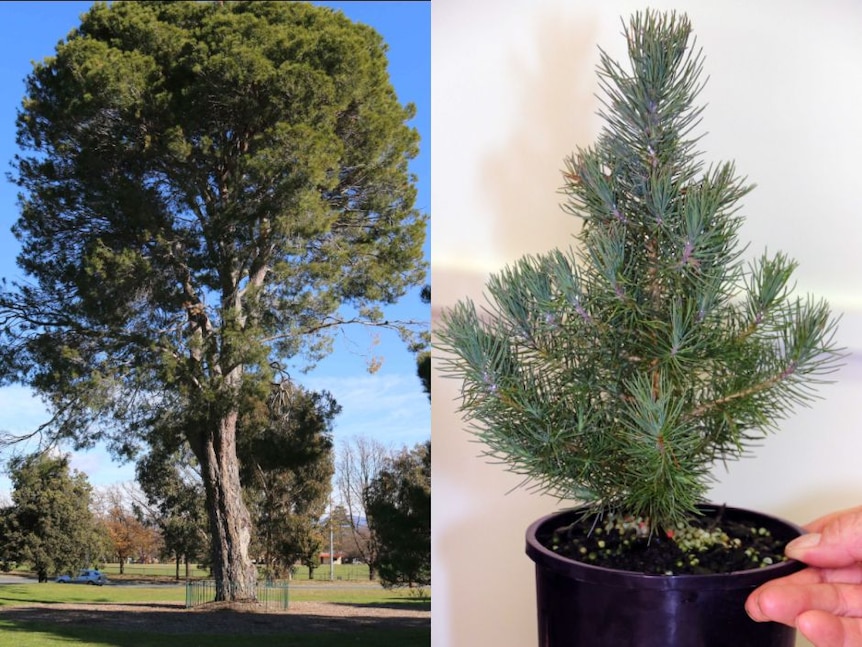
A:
x: 230, y: 524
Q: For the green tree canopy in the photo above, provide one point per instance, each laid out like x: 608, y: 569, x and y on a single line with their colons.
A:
x: 286, y: 467
x: 208, y: 190
x: 170, y: 481
x: 50, y: 525
x: 398, y: 503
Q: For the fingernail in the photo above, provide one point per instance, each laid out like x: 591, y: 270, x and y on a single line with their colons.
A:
x: 802, y: 544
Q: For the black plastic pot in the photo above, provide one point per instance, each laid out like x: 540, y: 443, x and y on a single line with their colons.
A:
x: 580, y: 605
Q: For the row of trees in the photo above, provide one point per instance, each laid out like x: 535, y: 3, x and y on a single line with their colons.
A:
x: 57, y: 523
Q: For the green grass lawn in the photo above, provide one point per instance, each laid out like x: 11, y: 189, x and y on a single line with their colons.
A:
x: 52, y: 593
x: 29, y: 634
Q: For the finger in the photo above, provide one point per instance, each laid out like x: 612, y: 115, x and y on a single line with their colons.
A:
x: 784, y: 603
x: 826, y: 630
x: 772, y: 602
x: 838, y: 544
x: 807, y: 576
x: 811, y: 575
x: 803, y: 578
x: 818, y: 524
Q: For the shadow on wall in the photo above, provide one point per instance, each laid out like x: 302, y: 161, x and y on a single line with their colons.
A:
x: 556, y: 113
x: 480, y: 515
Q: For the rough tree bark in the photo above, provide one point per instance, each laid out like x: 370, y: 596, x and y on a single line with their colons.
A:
x: 230, y: 525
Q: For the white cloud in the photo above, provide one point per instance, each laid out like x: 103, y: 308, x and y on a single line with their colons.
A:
x: 391, y: 408
x: 21, y: 412
x: 101, y: 469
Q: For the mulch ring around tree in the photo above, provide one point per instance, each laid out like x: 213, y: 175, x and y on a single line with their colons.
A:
x: 174, y: 618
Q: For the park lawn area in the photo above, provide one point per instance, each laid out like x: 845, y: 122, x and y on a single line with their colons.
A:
x: 52, y: 593
x: 45, y: 634
x: 341, y: 572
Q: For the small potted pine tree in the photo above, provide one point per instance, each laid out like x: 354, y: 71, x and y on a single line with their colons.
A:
x: 617, y: 374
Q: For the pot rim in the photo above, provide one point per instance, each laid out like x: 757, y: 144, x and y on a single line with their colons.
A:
x: 583, y: 572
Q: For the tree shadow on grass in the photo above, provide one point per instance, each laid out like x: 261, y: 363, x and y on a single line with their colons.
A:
x: 147, y: 625
x: 423, y: 604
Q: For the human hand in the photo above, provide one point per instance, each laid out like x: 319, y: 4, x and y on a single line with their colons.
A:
x: 824, y: 601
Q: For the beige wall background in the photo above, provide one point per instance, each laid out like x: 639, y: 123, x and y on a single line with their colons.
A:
x: 513, y: 94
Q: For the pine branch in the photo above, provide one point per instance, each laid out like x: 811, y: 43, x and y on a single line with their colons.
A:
x: 620, y: 371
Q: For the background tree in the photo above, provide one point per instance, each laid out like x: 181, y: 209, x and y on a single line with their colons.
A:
x: 304, y: 539
x: 207, y: 188
x: 399, y: 512
x: 50, y: 525
x: 359, y: 461
x: 338, y: 524
x: 173, y: 499
x: 128, y: 535
x: 8, y: 557
x: 286, y: 470
x: 397, y: 503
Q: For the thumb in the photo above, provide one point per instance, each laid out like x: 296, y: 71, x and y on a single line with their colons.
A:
x: 839, y: 543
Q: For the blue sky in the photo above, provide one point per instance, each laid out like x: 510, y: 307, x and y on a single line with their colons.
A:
x: 388, y: 405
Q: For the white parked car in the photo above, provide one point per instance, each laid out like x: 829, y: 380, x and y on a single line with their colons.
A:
x: 86, y: 576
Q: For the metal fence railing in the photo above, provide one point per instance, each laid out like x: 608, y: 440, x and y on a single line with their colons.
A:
x: 272, y: 595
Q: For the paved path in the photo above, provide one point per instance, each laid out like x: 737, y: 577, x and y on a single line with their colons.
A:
x: 5, y: 578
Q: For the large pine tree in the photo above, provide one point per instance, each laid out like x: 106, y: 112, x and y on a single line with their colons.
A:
x: 204, y: 187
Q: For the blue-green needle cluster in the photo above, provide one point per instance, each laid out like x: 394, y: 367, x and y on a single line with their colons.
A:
x: 620, y: 371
